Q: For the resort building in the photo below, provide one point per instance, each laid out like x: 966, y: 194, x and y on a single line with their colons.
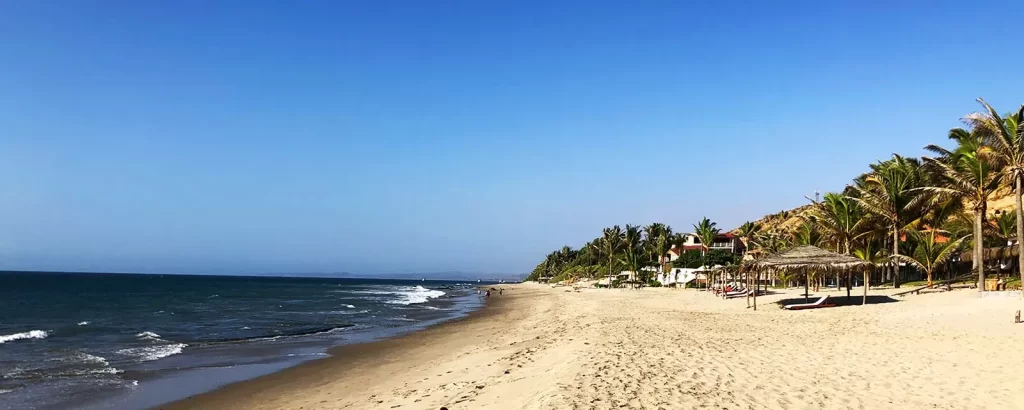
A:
x: 724, y: 242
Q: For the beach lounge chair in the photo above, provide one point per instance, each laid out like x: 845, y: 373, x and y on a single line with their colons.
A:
x: 739, y: 294
x: 819, y: 304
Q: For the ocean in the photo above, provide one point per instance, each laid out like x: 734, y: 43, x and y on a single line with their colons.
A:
x: 127, y: 341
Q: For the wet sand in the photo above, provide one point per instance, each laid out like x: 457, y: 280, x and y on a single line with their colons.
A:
x: 538, y: 347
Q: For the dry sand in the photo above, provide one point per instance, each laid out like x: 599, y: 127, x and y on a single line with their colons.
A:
x: 539, y: 347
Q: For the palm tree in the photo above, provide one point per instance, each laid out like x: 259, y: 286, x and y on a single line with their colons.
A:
x: 552, y: 264
x: 772, y: 241
x: 633, y: 252
x: 968, y: 174
x: 706, y: 231
x: 1005, y: 136
x: 840, y: 220
x: 746, y: 233
x: 929, y: 254
x: 889, y: 192
x: 870, y: 250
x: 659, y: 238
x: 807, y: 233
x: 1005, y: 224
x: 611, y: 243
x: 586, y: 254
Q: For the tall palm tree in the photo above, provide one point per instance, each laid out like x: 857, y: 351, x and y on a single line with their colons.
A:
x: 663, y: 244
x: 586, y: 254
x: 633, y: 252
x: 658, y: 237
x: 552, y: 264
x: 840, y: 220
x: 746, y: 233
x: 611, y: 243
x: 1005, y: 136
x: 969, y: 174
x: 928, y: 253
x: 706, y: 231
x: 888, y: 191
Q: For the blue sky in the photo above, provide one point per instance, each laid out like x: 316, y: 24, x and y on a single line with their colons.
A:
x: 376, y: 137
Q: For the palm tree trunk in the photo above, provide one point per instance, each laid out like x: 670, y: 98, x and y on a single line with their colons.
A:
x: 757, y: 285
x: 747, y: 280
x: 807, y: 291
x: 849, y: 285
x: 867, y: 278
x: 609, y: 272
x: 1020, y: 228
x: 895, y: 254
x: 979, y: 249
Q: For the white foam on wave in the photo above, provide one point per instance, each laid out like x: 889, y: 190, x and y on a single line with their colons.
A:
x: 89, y: 358
x: 105, y: 370
x: 84, y: 322
x: 306, y: 354
x: 150, y: 353
x: 32, y: 334
x: 350, y: 306
x: 344, y: 312
x: 419, y: 294
x: 5, y: 391
x: 148, y: 335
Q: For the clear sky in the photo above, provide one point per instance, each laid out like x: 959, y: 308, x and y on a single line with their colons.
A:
x: 422, y: 136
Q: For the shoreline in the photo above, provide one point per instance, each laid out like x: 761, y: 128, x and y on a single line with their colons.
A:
x: 341, y: 361
x: 542, y: 347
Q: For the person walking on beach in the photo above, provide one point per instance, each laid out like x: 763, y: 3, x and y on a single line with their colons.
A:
x: 488, y: 293
x: 500, y: 290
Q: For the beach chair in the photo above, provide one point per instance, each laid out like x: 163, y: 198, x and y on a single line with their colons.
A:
x: 739, y: 294
x: 821, y: 303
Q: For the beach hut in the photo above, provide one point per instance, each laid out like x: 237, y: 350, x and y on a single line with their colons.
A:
x: 805, y: 259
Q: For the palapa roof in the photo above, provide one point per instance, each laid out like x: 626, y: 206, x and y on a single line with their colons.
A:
x: 1002, y: 252
x: 809, y: 258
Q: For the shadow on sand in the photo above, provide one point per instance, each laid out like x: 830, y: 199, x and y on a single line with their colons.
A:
x: 854, y: 300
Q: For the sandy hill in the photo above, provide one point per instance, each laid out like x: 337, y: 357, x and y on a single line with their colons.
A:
x: 789, y: 220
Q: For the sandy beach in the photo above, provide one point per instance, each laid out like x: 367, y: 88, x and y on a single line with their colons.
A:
x: 538, y: 347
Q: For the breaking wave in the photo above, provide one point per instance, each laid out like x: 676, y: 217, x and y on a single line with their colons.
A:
x: 419, y: 294
x: 32, y: 334
x: 147, y: 335
x: 150, y: 353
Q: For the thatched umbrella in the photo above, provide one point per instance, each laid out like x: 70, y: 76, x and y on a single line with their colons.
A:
x: 805, y: 259
x: 722, y: 272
